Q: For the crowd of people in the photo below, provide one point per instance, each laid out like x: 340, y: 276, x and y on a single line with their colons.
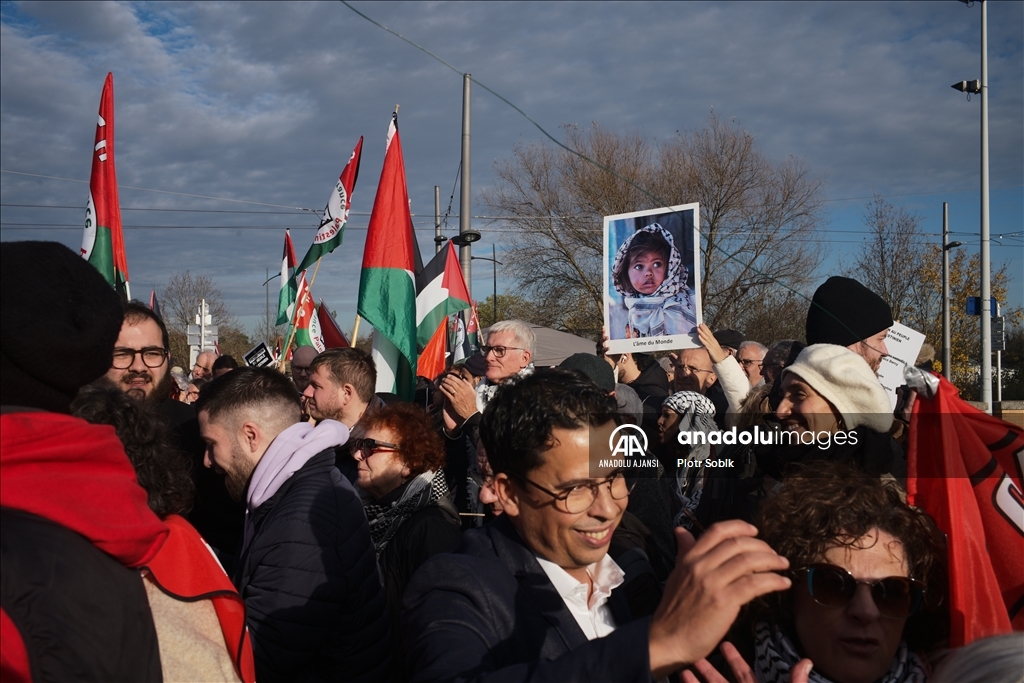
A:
x: 239, y: 524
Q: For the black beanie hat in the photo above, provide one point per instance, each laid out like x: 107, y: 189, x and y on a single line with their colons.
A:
x: 844, y: 312
x: 60, y: 321
x: 594, y: 367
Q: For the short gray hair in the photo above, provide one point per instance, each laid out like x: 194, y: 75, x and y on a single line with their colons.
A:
x: 520, y: 330
x: 761, y: 348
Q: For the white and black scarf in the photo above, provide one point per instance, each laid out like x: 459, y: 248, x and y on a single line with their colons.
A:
x: 485, y: 391
x: 775, y: 656
x: 423, y: 490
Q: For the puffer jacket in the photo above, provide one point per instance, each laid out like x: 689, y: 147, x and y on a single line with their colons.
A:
x: 315, y: 606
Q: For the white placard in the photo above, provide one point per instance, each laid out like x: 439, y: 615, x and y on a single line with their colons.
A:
x: 904, y: 345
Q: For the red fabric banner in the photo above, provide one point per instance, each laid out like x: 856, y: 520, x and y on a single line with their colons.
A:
x: 965, y: 469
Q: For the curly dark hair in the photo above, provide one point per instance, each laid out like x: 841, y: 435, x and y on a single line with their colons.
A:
x: 421, y: 446
x: 516, y: 425
x: 825, y: 505
x: 161, y: 469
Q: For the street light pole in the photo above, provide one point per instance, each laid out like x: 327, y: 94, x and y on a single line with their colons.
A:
x: 496, y: 263
x: 986, y: 293
x: 946, y: 246
x: 465, y: 208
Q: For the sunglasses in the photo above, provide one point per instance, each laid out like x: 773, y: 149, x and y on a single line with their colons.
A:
x: 896, y: 597
x: 367, y: 447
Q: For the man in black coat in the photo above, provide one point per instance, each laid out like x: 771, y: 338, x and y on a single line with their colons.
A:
x: 532, y: 596
x: 307, y: 570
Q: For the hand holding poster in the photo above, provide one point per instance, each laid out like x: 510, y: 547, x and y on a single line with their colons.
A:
x: 652, y: 282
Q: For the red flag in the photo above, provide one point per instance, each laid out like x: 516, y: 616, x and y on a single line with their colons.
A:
x: 964, y: 467
x: 334, y: 338
x: 103, y: 241
x: 432, y: 360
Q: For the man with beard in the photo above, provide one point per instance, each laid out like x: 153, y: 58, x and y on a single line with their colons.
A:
x: 140, y: 368
x: 846, y: 313
x: 307, y: 569
x: 341, y: 384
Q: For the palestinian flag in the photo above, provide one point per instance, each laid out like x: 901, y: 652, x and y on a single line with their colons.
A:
x: 434, y: 356
x: 464, y: 337
x: 286, y: 299
x: 103, y: 241
x: 332, y: 225
x: 387, y: 285
x: 307, y: 322
x: 440, y: 292
x: 334, y: 338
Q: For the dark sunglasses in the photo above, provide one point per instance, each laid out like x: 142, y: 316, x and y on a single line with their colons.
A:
x: 896, y: 597
x: 367, y: 447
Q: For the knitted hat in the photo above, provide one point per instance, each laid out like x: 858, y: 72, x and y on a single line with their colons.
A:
x: 845, y: 380
x: 629, y: 401
x: 730, y: 338
x: 61, y: 320
x: 594, y: 367
x: 476, y: 365
x: 843, y: 312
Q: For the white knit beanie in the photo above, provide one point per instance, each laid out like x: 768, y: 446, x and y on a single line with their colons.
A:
x: 845, y: 380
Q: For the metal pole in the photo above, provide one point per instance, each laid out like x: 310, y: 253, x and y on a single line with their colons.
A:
x: 465, y: 211
x: 986, y: 294
x: 266, y: 288
x: 946, y: 351
x: 437, y: 219
x: 494, y: 262
x: 999, y: 364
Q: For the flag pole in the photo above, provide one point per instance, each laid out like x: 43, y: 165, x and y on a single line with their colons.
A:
x: 355, y: 331
x: 298, y: 306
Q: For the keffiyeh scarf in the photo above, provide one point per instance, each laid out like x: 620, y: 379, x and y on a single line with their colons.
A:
x: 485, y: 390
x: 423, y: 490
x: 775, y: 656
x: 696, y: 414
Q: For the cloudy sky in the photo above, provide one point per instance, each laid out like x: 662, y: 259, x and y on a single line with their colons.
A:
x: 230, y: 115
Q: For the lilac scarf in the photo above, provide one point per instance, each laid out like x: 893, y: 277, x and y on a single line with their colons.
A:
x: 287, y: 454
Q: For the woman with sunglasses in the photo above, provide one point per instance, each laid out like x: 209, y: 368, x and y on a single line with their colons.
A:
x: 411, y: 516
x: 869, y: 584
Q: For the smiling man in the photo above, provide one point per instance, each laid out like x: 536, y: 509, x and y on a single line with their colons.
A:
x: 307, y: 569
x: 534, y: 595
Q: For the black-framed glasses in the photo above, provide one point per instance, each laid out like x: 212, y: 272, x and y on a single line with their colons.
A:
x: 300, y: 370
x: 896, y: 597
x: 499, y: 351
x: 747, y: 362
x: 367, y: 447
x: 580, y: 497
x: 152, y: 356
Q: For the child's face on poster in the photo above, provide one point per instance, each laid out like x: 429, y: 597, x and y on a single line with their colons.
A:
x: 647, y: 272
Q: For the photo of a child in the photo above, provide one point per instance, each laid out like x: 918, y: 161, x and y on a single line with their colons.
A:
x: 650, y: 286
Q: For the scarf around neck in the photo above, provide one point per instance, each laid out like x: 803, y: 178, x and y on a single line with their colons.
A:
x: 485, y: 390
x: 287, y: 454
x: 420, y: 491
x: 775, y: 656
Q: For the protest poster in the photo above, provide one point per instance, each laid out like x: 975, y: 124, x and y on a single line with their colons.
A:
x: 652, y: 280
x: 904, y: 345
x: 259, y: 356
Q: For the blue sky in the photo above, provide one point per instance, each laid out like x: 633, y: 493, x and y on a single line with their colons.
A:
x: 262, y: 103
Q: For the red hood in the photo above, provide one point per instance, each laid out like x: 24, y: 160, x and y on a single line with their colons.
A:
x: 77, y: 475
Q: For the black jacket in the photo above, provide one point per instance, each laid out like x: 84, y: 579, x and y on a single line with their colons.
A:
x: 314, y: 603
x: 489, y: 612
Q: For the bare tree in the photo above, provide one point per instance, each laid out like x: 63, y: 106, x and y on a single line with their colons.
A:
x: 180, y: 300
x: 758, y: 218
x: 892, y: 257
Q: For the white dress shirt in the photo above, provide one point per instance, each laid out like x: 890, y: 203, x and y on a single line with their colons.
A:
x: 593, y: 615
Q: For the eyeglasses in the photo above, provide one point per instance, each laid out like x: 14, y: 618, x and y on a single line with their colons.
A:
x: 499, y: 351
x: 897, y: 597
x: 580, y: 497
x: 152, y: 356
x: 690, y: 370
x: 300, y: 370
x: 747, y: 362
x: 367, y: 447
